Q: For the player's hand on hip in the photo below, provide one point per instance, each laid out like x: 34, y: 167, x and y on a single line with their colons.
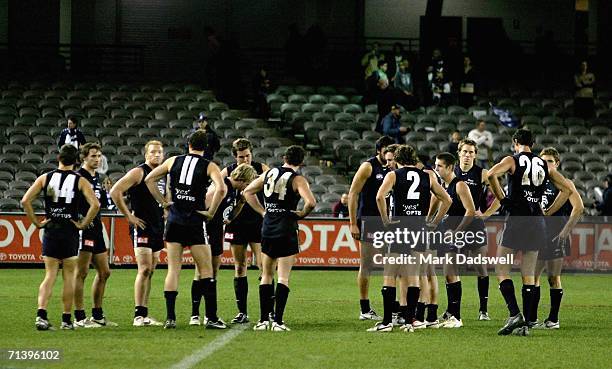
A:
x: 137, y: 222
x: 205, y: 214
x: 43, y: 223
x: 80, y: 225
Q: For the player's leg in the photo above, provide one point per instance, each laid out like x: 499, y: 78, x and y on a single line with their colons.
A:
x: 69, y: 267
x: 256, y: 250
x: 528, y: 270
x: 366, y: 254
x: 482, y: 277
x: 144, y: 261
x: 412, y: 274
x: 540, y: 266
x: 556, y: 292
x: 84, y: 259
x: 100, y: 262
x: 388, y: 291
x: 175, y: 252
x: 196, y: 298
x: 266, y: 292
x: 506, y: 287
x: 203, y: 259
x: 154, y: 261
x: 284, y: 265
x: 453, y: 292
x: 44, y: 292
x: 241, y: 285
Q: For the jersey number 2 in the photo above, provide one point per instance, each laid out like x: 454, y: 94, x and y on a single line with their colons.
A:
x: 414, y: 178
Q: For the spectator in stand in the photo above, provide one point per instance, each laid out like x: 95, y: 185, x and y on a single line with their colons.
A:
x: 453, y: 145
x: 403, y: 84
x: 438, y: 80
x: 262, y: 87
x: 71, y: 135
x: 584, y: 95
x: 484, y: 140
x: 391, y: 125
x: 384, y: 94
x: 370, y: 60
x: 467, y: 83
x: 397, y: 57
x: 107, y: 183
x: 605, y: 207
x: 103, y: 167
x: 212, y: 139
x: 340, y: 209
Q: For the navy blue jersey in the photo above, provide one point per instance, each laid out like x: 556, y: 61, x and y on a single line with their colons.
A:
x: 62, y: 197
x: 473, y: 178
x: 550, y: 193
x: 247, y: 216
x: 256, y: 165
x: 144, y: 205
x: 367, y: 197
x: 411, y: 192
x: 96, y: 185
x: 226, y: 206
x: 526, y: 185
x: 280, y: 199
x: 188, y: 183
x: 456, y: 208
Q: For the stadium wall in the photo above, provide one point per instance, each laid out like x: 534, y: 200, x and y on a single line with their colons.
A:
x: 325, y: 242
x: 521, y: 18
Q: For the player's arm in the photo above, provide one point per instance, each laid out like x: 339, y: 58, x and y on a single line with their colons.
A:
x: 434, y: 205
x: 220, y: 190
x: 577, y: 211
x: 236, y: 210
x: 563, y: 195
x: 94, y: 204
x: 363, y: 173
x: 154, y: 177
x: 264, y: 167
x: 381, y: 196
x: 499, y: 169
x: 250, y: 194
x: 465, y: 196
x: 301, y: 186
x: 29, y: 196
x: 129, y: 180
x: 443, y: 197
x: 224, y: 172
x: 495, y: 205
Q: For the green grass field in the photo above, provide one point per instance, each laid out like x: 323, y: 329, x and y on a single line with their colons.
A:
x: 322, y: 312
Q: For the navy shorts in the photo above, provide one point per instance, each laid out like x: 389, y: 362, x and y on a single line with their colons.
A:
x: 92, y: 241
x: 215, y: 237
x: 555, y: 249
x: 280, y: 247
x: 142, y: 238
x: 524, y: 233
x: 477, y: 237
x: 186, y: 235
x: 61, y: 244
x: 242, y: 234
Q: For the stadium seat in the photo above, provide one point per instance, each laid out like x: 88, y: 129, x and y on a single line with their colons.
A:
x: 322, y: 117
x: 344, y: 117
x: 317, y: 99
x: 9, y: 204
x: 311, y: 108
x: 578, y: 130
x: 353, y: 109
x: 331, y: 108
x: 349, y: 135
x: 339, y: 99
x: 600, y: 149
x: 567, y: 140
x: 43, y: 140
x: 335, y: 126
